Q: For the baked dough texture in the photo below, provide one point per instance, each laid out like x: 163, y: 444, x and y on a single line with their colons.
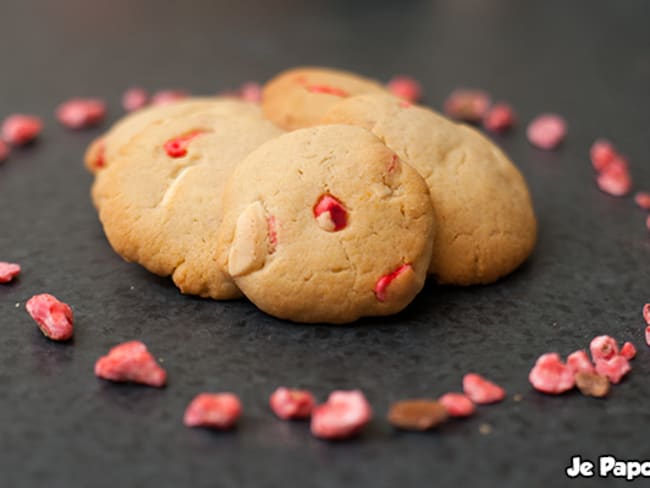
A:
x: 326, y: 224
x: 299, y: 97
x: 485, y: 222
x: 164, y: 211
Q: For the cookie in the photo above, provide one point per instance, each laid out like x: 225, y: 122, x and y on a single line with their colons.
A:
x: 486, y: 225
x: 326, y: 224
x: 103, y: 150
x: 107, y: 148
x: 161, y: 198
x: 299, y: 97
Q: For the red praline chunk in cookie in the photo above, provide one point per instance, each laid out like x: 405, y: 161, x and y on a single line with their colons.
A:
x: 328, y: 90
x: 100, y: 159
x: 177, y: 147
x: 393, y: 163
x: 273, y: 232
x: 330, y: 213
x: 384, y: 282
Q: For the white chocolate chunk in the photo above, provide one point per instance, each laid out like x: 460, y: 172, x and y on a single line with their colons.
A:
x: 326, y: 222
x: 249, y: 246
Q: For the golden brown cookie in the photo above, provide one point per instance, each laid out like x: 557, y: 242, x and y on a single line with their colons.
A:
x: 485, y: 223
x: 161, y: 198
x: 299, y: 97
x: 103, y: 150
x: 326, y: 224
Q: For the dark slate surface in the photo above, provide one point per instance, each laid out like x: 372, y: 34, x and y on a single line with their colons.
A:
x: 61, y: 427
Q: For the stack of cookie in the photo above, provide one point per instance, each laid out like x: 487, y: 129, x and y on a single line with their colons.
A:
x: 331, y: 201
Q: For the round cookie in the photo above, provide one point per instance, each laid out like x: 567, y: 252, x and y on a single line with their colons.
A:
x: 486, y: 225
x: 326, y: 224
x: 107, y: 148
x: 299, y: 97
x: 103, y: 150
x: 161, y: 198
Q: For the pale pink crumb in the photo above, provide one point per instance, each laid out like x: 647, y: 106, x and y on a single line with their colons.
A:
x: 81, y: 113
x: 135, y: 98
x: 628, y: 351
x: 52, y: 316
x: 406, y: 88
x: 4, y: 151
x: 470, y: 105
x: 8, y: 271
x: 251, y: 91
x: 21, y: 129
x: 289, y: 403
x: 602, y: 153
x: 214, y: 410
x: 642, y: 199
x: 615, y: 368
x: 547, y: 131
x: 579, y: 362
x: 164, y: 97
x: 550, y: 375
x: 499, y: 118
x: 481, y: 390
x: 131, y: 362
x: 457, y: 404
x: 343, y: 415
x: 603, y: 347
x: 615, y: 180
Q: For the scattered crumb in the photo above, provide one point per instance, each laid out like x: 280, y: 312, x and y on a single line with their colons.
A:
x: 517, y: 397
x: 17, y: 305
x: 485, y: 429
